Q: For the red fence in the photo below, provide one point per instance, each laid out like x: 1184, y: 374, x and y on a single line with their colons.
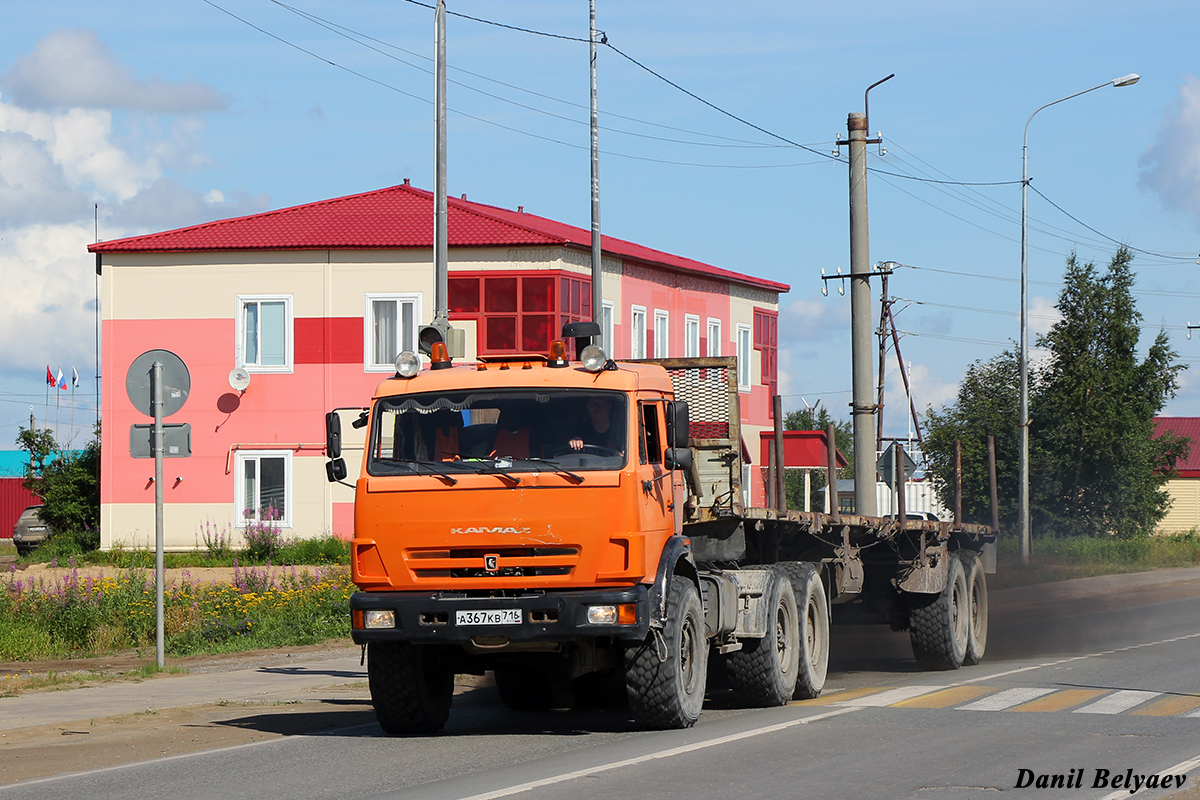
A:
x: 14, y: 498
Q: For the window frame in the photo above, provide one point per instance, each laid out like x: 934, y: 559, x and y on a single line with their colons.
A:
x: 691, y: 336
x: 239, y: 490
x: 289, y: 334
x: 662, y: 343
x: 608, y: 313
x: 637, y: 343
x: 745, y: 347
x: 370, y: 363
x: 714, y: 337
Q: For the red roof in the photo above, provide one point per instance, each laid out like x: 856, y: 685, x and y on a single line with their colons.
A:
x: 1183, y: 426
x: 396, y: 218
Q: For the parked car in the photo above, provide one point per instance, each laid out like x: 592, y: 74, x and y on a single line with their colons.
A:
x: 30, y: 531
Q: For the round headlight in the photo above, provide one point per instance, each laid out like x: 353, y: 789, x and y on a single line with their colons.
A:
x: 593, y: 358
x: 408, y: 364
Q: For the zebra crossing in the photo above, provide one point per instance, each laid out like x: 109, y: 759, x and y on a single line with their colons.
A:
x: 971, y: 697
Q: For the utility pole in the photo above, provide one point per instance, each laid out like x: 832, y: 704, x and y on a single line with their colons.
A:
x: 441, y: 258
x: 597, y: 287
x: 884, y: 302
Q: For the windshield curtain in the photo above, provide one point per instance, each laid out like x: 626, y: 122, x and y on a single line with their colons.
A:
x: 510, y: 430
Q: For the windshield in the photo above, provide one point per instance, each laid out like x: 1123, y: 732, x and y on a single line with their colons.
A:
x: 519, y: 430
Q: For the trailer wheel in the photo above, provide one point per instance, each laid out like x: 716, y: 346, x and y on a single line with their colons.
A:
x: 763, y: 672
x: 813, y: 611
x: 411, y: 687
x: 939, y: 630
x: 977, y: 630
x: 665, y: 677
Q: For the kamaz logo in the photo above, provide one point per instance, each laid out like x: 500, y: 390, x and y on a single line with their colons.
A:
x: 498, y: 529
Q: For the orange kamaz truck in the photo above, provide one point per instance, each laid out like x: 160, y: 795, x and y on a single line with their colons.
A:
x: 579, y: 526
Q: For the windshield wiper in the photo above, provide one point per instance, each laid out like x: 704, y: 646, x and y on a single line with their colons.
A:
x: 486, y: 464
x: 433, y: 466
x: 553, y: 466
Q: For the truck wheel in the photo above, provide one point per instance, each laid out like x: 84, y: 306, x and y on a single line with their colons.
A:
x: 525, y: 690
x: 668, y: 692
x: 977, y: 631
x: 411, y: 687
x: 939, y: 630
x: 813, y: 611
x: 763, y: 672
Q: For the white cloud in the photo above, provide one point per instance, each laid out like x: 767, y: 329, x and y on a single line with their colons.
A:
x: 1043, y: 315
x: 927, y: 390
x: 1170, y: 168
x: 74, y: 69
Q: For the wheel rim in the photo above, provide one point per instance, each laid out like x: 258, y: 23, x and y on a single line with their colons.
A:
x: 812, y: 636
x: 783, y: 641
x: 687, y: 654
x: 960, y: 614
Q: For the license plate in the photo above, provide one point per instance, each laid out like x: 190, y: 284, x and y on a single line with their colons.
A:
x: 506, y: 616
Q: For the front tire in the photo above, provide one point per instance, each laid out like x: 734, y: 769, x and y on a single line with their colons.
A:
x: 940, y: 630
x: 411, y: 687
x: 763, y: 672
x: 670, y: 693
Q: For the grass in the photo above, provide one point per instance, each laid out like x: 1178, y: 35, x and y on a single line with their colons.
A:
x: 1085, y: 556
x: 263, y: 607
x: 326, y: 550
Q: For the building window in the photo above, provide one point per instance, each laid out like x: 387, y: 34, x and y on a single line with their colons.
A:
x: 264, y: 487
x: 766, y: 341
x: 743, y: 357
x: 518, y: 312
x: 691, y: 336
x: 637, y: 332
x: 264, y: 333
x: 714, y: 337
x: 606, y: 328
x: 662, y: 334
x: 389, y: 328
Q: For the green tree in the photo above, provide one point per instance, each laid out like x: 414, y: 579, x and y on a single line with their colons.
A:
x: 988, y: 404
x: 1094, y: 466
x: 68, y: 482
x: 1099, y: 469
x: 816, y: 418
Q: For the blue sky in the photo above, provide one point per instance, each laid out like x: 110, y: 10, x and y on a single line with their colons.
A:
x: 172, y: 113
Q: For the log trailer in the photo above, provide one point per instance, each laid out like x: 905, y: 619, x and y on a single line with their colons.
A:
x: 487, y: 536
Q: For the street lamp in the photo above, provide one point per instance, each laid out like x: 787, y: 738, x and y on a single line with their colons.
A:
x: 1023, y: 500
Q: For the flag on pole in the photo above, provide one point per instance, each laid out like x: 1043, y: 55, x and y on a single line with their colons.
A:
x: 61, y: 383
x: 74, y: 377
x: 49, y: 377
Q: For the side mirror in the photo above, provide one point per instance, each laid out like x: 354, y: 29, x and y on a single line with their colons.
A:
x: 335, y: 470
x: 679, y: 458
x: 677, y: 423
x: 333, y: 434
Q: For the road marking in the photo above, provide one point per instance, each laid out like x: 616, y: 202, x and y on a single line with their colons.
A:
x: 946, y: 697
x: 1169, y: 707
x: 837, y: 697
x: 1117, y: 702
x: 668, y: 753
x: 890, y: 696
x: 1059, y: 700
x: 1006, y: 699
x: 1182, y: 768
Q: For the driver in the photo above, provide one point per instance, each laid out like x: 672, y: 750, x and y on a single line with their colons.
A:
x: 599, y: 429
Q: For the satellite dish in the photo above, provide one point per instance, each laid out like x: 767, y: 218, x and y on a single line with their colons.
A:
x: 239, y: 379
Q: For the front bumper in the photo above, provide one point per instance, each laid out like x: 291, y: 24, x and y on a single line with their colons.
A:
x: 430, y: 617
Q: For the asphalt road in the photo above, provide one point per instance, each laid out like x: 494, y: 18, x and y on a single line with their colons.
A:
x: 1092, y: 681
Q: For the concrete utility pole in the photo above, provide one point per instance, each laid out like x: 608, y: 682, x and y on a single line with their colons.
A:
x: 862, y: 405
x: 597, y: 287
x: 441, y: 258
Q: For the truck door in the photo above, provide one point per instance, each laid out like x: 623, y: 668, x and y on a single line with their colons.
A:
x: 657, y: 493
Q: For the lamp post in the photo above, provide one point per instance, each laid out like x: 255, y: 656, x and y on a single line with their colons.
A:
x: 1023, y: 499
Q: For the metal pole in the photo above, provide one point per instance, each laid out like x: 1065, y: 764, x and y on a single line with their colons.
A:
x: 156, y: 371
x: 991, y: 441
x: 1023, y: 518
x: 597, y: 256
x: 831, y: 479
x: 780, y: 462
x: 862, y: 405
x: 957, y: 482
x: 883, y: 306
x: 441, y: 259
